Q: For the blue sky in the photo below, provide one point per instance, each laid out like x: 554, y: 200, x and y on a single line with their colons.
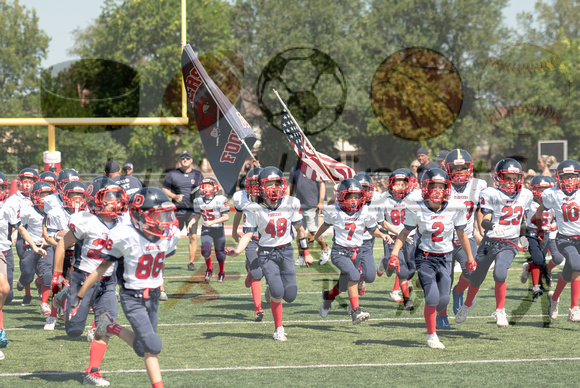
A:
x: 58, y: 18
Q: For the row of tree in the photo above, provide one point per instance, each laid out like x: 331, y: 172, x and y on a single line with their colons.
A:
x: 518, y: 87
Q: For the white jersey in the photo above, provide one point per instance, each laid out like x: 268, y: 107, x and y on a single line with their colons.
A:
x: 548, y: 218
x: 436, y: 228
x: 5, y: 240
x: 240, y: 200
x: 211, y: 210
x: 51, y: 201
x: 32, y: 220
x: 11, y: 209
x: 566, y: 210
x: 394, y: 211
x: 57, y: 219
x: 142, y: 260
x: 274, y: 225
x: 375, y: 210
x: 469, y: 197
x: 506, y: 211
x: 349, y: 229
x: 91, y: 232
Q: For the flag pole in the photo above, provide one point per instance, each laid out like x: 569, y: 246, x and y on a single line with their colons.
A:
x: 308, y: 141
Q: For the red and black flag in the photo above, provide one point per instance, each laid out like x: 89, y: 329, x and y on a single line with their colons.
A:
x: 226, y: 136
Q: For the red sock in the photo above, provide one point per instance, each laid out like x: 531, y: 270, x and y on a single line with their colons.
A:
x: 257, y: 294
x: 97, y: 353
x: 535, y: 270
x: 471, y: 292
x: 462, y: 285
x: 222, y: 265
x: 1, y: 320
x: 208, y: 263
x: 575, y: 285
x: 114, y: 328
x: 333, y: 293
x: 551, y: 265
x: 45, y: 292
x: 94, y: 324
x: 444, y: 312
x: 53, y: 311
x: 559, y: 288
x: 276, y: 308
x: 353, y: 301
x: 405, y: 289
x: 27, y: 290
x: 397, y: 284
x: 430, y: 313
x: 500, y: 290
x: 158, y: 384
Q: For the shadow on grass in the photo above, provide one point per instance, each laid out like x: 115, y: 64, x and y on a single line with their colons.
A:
x: 397, y: 343
x: 53, y: 377
x: 235, y: 335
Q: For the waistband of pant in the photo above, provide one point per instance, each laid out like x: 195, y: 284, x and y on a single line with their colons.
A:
x: 573, y: 237
x: 425, y: 253
x: 143, y: 293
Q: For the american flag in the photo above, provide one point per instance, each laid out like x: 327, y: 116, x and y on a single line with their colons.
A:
x: 311, y: 166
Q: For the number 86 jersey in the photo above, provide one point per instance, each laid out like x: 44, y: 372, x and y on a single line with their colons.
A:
x: 141, y: 260
x: 566, y: 210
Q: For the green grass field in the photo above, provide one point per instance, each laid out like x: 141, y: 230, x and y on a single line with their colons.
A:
x: 210, y: 339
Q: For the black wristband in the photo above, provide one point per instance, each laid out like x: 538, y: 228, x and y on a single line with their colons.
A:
x: 303, y: 243
x: 486, y: 224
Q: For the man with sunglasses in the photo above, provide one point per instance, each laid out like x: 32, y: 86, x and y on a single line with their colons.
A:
x: 179, y: 185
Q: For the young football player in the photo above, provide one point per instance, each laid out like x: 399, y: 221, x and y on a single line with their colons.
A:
x: 5, y: 249
x: 350, y: 219
x: 503, y: 208
x: 537, y: 248
x: 51, y: 178
x: 465, y: 189
x: 213, y: 209
x: 253, y: 279
x: 141, y: 249
x: 394, y: 203
x: 436, y: 219
x: 564, y: 200
x: 88, y: 230
x: 273, y: 217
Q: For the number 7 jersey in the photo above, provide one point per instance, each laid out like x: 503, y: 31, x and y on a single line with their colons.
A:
x: 506, y: 211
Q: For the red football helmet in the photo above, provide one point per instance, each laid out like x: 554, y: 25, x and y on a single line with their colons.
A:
x: 252, y: 185
x: 74, y: 196
x: 401, y: 182
x: 568, y: 176
x: 272, y: 192
x: 539, y: 184
x: 209, y: 187
x: 3, y: 187
x: 26, y: 178
x: 434, y: 194
x: 367, y: 184
x: 106, y: 198
x: 459, y: 166
x: 152, y: 213
x: 50, y: 178
x: 350, y: 195
x: 505, y: 167
x: 39, y: 191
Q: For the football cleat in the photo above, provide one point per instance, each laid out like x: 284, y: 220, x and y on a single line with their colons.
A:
x: 537, y: 291
x: 248, y: 282
x: 208, y: 274
x: 381, y: 268
x: 574, y: 314
x: 325, y: 306
x: 433, y: 342
x: 358, y: 315
x: 457, y: 301
x: 525, y: 273
x: 500, y: 318
x: 3, y: 339
x: 221, y: 277
x: 463, y: 312
x: 59, y: 298
x: 19, y: 286
x: 396, y: 296
x: 26, y: 299
x: 442, y: 322
x: 95, y: 378
x: 163, y: 296
x: 259, y: 316
x: 45, y: 309
x: 91, y: 334
x: 104, y: 321
x: 300, y: 260
x: 2, y: 356
x: 324, y: 256
x: 191, y: 267
x: 553, y: 306
x: 267, y: 294
x: 408, y: 304
x: 279, y: 334
x: 50, y: 323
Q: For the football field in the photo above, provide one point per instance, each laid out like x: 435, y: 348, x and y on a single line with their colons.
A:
x: 210, y: 339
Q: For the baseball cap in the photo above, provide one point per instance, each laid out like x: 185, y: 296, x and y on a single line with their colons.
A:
x: 112, y: 166
x: 128, y: 166
x: 441, y: 156
x: 184, y: 154
x: 423, y: 151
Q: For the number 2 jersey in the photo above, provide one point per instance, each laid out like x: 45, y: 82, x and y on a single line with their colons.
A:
x: 566, y: 210
x: 141, y: 260
x: 273, y: 225
x: 349, y: 229
x: 507, y: 211
x: 211, y: 210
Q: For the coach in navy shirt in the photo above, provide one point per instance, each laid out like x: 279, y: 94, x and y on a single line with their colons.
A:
x: 178, y: 185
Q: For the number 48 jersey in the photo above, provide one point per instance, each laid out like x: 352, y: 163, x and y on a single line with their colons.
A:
x: 566, y: 210
x: 506, y: 211
x: 142, y: 260
x: 274, y: 225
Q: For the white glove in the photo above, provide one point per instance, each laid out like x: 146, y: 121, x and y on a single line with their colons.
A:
x: 498, y: 230
x: 410, y: 240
